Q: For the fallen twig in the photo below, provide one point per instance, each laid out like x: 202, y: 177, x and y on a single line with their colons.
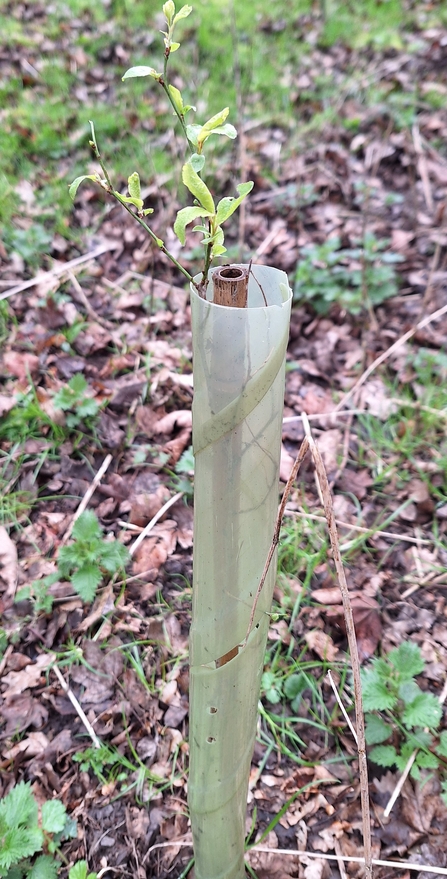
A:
x: 88, y: 494
x: 394, y: 347
x: 371, y: 532
x: 77, y: 707
x: 154, y: 521
x: 342, y: 707
x: 58, y: 270
x: 300, y: 853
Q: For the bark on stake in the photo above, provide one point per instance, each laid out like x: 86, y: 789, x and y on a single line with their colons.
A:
x: 231, y: 286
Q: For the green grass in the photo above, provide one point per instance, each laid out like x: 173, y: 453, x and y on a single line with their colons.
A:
x: 75, y: 75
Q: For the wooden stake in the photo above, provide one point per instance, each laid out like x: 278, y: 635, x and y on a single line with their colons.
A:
x: 231, y: 286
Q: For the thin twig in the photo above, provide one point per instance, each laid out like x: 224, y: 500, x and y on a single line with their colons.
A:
x: 372, y: 532
x: 90, y: 311
x: 298, y: 461
x: 77, y: 707
x: 300, y: 853
x: 59, y: 270
x: 154, y: 521
x: 399, y: 865
x: 352, y: 642
x: 88, y: 494
x: 386, y: 354
x: 342, y: 707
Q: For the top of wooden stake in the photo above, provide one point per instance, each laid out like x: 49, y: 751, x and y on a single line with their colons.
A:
x: 231, y: 286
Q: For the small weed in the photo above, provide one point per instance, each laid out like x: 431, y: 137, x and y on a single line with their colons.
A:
x: 182, y: 478
x: 110, y: 766
x: 30, y: 243
x: 352, y: 278
x: 73, y: 398
x: 27, y: 420
x: 398, y: 710
x: 84, y: 563
x: 22, y: 835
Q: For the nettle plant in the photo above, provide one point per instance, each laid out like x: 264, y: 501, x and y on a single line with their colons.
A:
x: 84, y: 562
x: 350, y: 277
x: 204, y: 208
x: 29, y: 841
x: 401, y: 718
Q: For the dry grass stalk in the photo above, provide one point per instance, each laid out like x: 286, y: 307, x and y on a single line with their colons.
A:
x: 308, y: 444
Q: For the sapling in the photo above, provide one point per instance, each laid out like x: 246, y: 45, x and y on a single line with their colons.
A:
x: 240, y: 318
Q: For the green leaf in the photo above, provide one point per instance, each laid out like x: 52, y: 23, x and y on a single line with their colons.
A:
x: 54, y: 816
x: 169, y: 10
x: 19, y: 806
x: 127, y: 199
x: 134, y: 186
x: 376, y: 730
x: 86, y: 581
x: 227, y: 130
x: 192, y: 132
x: 376, y: 695
x: 213, y: 123
x: 18, y: 843
x: 383, y: 755
x: 44, y: 867
x: 113, y: 556
x: 426, y: 760
x: 87, y: 408
x: 407, y: 659
x: 86, y: 527
x: 80, y: 871
x: 142, y: 71
x: 177, y: 99
x: 186, y: 216
x: 295, y: 685
x: 441, y: 748
x: 182, y: 13
x: 227, y: 206
x: 409, y: 691
x: 197, y: 162
x: 198, y: 188
x: 76, y: 184
x: 425, y: 710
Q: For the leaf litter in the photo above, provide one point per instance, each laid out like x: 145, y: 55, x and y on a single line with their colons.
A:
x: 125, y: 655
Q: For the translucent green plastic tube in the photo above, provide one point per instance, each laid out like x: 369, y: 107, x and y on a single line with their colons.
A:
x: 239, y: 357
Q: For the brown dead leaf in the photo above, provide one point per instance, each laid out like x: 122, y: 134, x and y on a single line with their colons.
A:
x: 30, y: 676
x: 181, y: 418
x: 328, y: 444
x: 375, y: 396
x: 154, y: 551
x: 145, y: 506
x: 22, y: 711
x: 21, y: 364
x: 367, y: 622
x: 33, y: 745
x: 355, y: 482
x: 6, y: 404
x: 420, y: 803
x: 322, y: 644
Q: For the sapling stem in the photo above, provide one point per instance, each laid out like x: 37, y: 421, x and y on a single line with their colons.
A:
x: 107, y: 185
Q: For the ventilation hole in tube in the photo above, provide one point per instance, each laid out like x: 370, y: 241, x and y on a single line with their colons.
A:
x: 213, y: 710
x: 211, y: 740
